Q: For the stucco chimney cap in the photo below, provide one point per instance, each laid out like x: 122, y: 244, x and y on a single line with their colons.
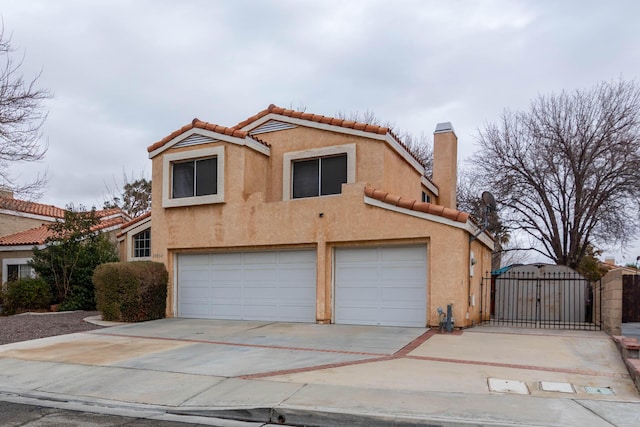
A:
x: 444, y: 127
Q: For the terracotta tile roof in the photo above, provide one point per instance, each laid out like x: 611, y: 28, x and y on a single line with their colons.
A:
x: 274, y: 109
x: 30, y: 207
x: 133, y: 222
x: 39, y: 235
x: 197, y: 123
x: 415, y: 205
x: 313, y: 118
x: 33, y: 236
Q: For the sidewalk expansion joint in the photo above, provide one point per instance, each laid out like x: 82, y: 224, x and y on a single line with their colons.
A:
x: 314, y: 368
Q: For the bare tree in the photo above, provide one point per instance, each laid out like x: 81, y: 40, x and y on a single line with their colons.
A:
x: 567, y: 171
x: 419, y: 146
x: 21, y: 119
x: 469, y: 191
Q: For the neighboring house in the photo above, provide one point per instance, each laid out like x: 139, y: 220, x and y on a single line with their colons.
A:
x: 291, y: 216
x: 134, y: 239
x: 24, y: 225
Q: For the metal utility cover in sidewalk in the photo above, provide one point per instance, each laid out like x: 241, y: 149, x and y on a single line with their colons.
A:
x: 508, y: 386
x: 559, y: 387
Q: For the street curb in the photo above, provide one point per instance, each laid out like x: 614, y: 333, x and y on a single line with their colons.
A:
x: 322, y: 418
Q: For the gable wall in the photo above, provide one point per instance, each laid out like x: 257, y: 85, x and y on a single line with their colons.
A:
x: 11, y: 224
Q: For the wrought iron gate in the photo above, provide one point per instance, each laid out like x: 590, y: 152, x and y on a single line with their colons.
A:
x: 553, y: 301
x: 630, y: 298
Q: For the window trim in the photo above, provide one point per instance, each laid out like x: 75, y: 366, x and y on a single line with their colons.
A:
x: 167, y: 162
x: 133, y: 245
x: 289, y: 158
x: 12, y: 261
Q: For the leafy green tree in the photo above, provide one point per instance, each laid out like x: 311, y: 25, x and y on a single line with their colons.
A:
x: 71, y: 255
x: 590, y: 267
x: 134, y: 198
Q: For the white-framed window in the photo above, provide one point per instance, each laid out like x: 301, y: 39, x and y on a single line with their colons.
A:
x: 318, y: 172
x: 193, y: 177
x: 142, y: 244
x: 426, y: 198
x: 16, y: 268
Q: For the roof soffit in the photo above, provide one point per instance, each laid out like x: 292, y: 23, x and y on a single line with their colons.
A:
x: 210, y: 137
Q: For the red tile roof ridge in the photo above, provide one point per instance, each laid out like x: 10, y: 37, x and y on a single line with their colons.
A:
x: 381, y: 130
x: 197, y: 123
x: 415, y: 205
x: 31, y: 207
x: 272, y: 108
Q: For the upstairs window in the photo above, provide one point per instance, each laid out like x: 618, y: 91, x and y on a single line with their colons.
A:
x: 195, y: 178
x: 142, y: 244
x: 426, y: 198
x: 319, y: 177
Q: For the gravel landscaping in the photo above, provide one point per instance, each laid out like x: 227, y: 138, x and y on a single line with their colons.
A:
x: 30, y: 326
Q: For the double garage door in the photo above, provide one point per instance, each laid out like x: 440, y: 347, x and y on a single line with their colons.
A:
x: 373, y: 286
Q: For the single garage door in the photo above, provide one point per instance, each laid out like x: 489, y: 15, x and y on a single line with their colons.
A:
x: 273, y: 285
x: 381, y: 286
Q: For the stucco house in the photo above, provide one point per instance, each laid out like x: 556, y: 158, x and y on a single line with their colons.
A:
x: 24, y: 224
x: 134, y: 239
x: 292, y: 216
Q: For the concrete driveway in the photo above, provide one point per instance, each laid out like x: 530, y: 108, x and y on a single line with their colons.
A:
x: 253, y: 370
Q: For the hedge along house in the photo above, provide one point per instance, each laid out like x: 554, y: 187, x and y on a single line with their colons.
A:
x: 291, y: 216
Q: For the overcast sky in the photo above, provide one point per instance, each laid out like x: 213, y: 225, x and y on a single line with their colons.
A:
x: 124, y: 74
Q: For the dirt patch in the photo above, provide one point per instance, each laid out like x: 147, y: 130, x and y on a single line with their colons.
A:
x: 30, y: 326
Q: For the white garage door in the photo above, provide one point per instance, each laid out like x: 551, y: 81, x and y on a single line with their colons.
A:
x: 273, y: 285
x: 381, y: 286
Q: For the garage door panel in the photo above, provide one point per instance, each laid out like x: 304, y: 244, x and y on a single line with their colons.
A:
x: 307, y: 258
x: 359, y: 255
x: 226, y: 259
x: 261, y: 274
x: 402, y: 254
x: 266, y: 285
x: 195, y: 260
x: 195, y: 292
x: 360, y: 274
x: 381, y: 286
x: 195, y: 310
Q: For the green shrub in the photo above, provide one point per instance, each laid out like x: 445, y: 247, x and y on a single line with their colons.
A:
x: 27, y: 294
x: 131, y: 291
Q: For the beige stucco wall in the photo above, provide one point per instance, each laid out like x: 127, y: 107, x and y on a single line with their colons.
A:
x: 254, y: 216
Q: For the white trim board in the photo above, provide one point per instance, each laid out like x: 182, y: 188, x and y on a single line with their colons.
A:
x: 249, y: 142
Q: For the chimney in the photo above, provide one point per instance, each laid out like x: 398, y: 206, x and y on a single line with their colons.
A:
x: 445, y: 164
x: 610, y: 261
x: 6, y: 192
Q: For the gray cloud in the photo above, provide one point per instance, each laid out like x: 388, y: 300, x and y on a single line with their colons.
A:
x: 125, y: 74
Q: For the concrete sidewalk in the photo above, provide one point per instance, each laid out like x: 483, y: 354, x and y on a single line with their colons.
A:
x: 303, y: 374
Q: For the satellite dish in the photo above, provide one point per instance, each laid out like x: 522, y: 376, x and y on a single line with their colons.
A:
x: 489, y: 200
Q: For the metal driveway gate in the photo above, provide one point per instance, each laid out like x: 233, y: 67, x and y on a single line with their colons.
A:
x: 551, y: 300
x: 630, y: 298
